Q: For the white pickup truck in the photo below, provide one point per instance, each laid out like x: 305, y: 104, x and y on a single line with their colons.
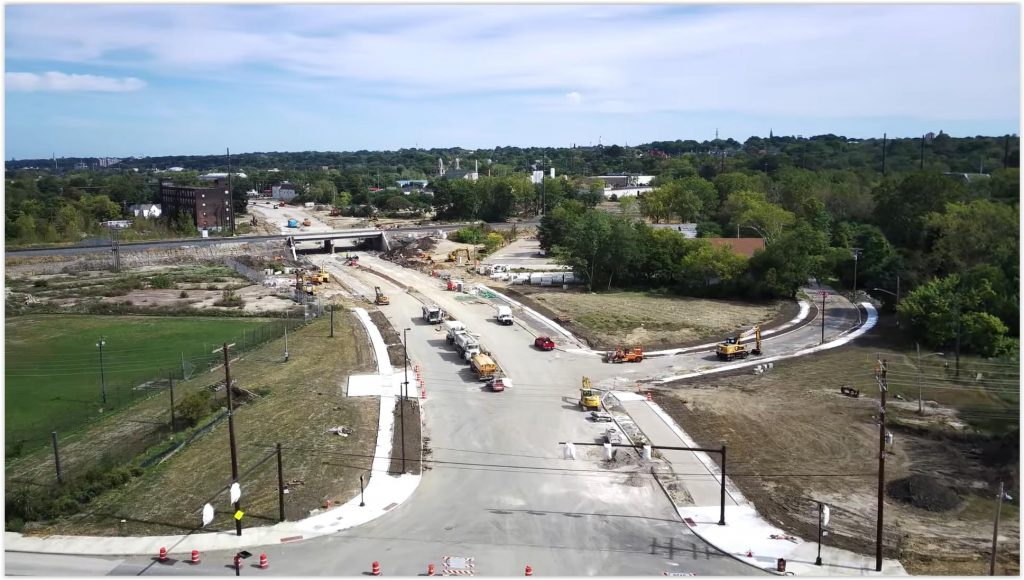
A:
x: 504, y: 316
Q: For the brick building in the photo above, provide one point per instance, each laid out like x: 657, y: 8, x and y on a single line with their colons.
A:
x: 210, y: 207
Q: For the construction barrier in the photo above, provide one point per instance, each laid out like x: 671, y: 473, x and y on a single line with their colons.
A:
x: 163, y: 555
x: 649, y: 397
x: 457, y: 566
x: 430, y: 569
x: 375, y: 569
x: 529, y: 571
x: 195, y: 556
x: 263, y: 561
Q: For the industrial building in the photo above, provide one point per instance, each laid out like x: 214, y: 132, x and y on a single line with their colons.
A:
x: 210, y: 207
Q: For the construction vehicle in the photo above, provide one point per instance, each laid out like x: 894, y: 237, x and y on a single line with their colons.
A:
x: 451, y: 328
x: 619, y: 355
x: 433, y: 314
x: 589, y: 399
x: 323, y: 276
x: 504, y: 316
x: 466, y: 345
x: 382, y: 298
x: 454, y: 255
x: 599, y: 417
x: 335, y: 212
x: 612, y: 435
x: 352, y: 260
x: 306, y: 222
x: 484, y: 366
x: 310, y: 289
x: 733, y: 348
x: 455, y: 285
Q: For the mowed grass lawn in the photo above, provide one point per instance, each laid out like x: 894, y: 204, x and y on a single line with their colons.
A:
x: 52, y: 366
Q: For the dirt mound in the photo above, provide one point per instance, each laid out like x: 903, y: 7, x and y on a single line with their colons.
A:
x: 411, y: 249
x: 925, y: 492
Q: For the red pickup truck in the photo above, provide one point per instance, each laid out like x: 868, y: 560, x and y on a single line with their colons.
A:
x: 544, y: 343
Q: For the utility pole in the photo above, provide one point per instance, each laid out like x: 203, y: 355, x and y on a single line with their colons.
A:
x: 103, y: 378
x: 285, y: 340
x: 817, y: 562
x: 823, y: 296
x: 170, y: 380
x: 56, y: 458
x: 995, y: 532
x: 920, y: 401
x: 231, y: 196
x: 884, y: 143
x: 115, y: 251
x: 280, y: 483
x: 883, y: 388
x: 332, y: 321
x: 231, y: 430
x: 405, y: 390
x: 957, y: 339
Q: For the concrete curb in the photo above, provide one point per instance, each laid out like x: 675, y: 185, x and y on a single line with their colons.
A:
x: 383, y: 493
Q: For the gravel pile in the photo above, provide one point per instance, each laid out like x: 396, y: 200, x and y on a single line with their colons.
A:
x: 924, y: 492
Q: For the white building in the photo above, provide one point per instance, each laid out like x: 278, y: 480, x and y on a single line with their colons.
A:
x: 217, y: 176
x: 620, y: 192
x: 145, y: 210
x: 176, y: 169
x: 284, y: 191
x: 688, y: 230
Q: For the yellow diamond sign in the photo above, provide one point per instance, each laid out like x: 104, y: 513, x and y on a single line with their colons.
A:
x: 239, y: 514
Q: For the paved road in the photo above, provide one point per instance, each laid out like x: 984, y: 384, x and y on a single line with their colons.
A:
x: 498, y: 488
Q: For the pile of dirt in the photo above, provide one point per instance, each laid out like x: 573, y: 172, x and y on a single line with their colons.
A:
x: 410, y: 250
x: 923, y: 491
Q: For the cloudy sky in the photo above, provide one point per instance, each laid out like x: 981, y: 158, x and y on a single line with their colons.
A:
x: 120, y: 80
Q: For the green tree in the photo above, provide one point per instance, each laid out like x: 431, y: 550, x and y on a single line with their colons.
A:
x: 101, y: 208
x: 786, y: 265
x: 902, y: 208
x: 751, y: 209
x: 706, y: 265
x: 195, y: 406
x: 968, y: 234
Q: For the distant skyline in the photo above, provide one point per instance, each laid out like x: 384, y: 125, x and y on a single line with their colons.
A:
x: 124, y: 80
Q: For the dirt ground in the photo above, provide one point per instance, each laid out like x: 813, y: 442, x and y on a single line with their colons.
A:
x: 608, y: 320
x: 298, y: 402
x: 412, y: 436
x: 793, y: 440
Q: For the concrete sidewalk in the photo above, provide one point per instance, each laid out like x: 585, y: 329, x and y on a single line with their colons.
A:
x: 383, y: 493
x: 746, y: 536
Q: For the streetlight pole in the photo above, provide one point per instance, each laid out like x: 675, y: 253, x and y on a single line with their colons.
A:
x: 405, y: 390
x: 231, y: 431
x: 103, y: 378
x: 817, y: 562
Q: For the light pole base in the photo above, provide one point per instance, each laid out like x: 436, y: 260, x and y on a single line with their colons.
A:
x: 817, y: 562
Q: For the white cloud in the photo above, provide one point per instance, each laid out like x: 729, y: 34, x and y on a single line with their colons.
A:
x: 574, y: 97
x: 61, y: 82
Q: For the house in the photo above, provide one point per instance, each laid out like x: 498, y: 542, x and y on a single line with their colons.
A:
x: 740, y: 246
x: 688, y: 230
x: 145, y: 210
x: 285, y: 191
x: 618, y: 192
x: 209, y: 207
x: 117, y: 224
x: 625, y: 180
x: 456, y: 173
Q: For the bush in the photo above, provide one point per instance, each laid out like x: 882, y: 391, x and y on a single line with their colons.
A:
x: 183, y: 294
x: 473, y: 235
x: 40, y: 283
x: 493, y: 241
x: 229, y: 299
x: 195, y: 406
x: 161, y: 281
x: 15, y: 525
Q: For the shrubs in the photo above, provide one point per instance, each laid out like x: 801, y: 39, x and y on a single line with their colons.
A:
x: 161, y: 281
x: 195, y: 406
x: 36, y: 504
x: 183, y: 294
x: 230, y: 300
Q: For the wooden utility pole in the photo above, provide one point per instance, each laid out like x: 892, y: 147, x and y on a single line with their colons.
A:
x: 995, y: 532
x: 56, y: 457
x: 280, y: 483
x: 231, y: 431
x: 823, y: 296
x: 883, y: 388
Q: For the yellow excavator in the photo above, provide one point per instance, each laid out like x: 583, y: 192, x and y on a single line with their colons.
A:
x: 589, y: 399
x: 382, y: 299
x: 734, y: 348
x: 453, y: 256
x: 323, y: 276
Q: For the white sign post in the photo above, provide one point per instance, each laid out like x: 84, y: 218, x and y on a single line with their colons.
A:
x: 207, y: 514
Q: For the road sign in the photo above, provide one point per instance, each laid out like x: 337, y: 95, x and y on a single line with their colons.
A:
x: 236, y: 492
x: 239, y: 514
x: 825, y: 515
x: 207, y: 514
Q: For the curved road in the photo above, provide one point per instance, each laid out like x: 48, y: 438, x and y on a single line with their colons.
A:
x: 497, y: 488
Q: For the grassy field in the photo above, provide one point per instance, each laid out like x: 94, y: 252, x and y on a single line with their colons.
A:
x: 52, y: 367
x: 611, y: 319
x: 300, y: 399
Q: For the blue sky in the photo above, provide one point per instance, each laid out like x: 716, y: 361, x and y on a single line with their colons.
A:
x: 120, y: 80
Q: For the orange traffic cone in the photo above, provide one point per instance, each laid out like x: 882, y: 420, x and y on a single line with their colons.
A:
x: 430, y: 569
x: 423, y: 393
x: 163, y: 555
x: 529, y: 571
x: 263, y: 561
x: 195, y: 556
x: 376, y: 569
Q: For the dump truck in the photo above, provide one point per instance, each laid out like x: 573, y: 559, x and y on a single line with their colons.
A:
x: 451, y: 328
x: 589, y: 399
x: 485, y: 367
x: 466, y: 345
x: 382, y: 299
x: 504, y: 316
x: 733, y: 348
x: 433, y: 314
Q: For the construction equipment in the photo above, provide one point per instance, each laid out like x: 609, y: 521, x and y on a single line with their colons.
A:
x: 293, y: 223
x: 382, y: 298
x: 352, y: 260
x: 306, y: 222
x: 600, y: 417
x: 466, y: 345
x: 484, y: 366
x: 323, y: 276
x: 433, y: 314
x: 733, y: 348
x: 453, y: 327
x: 619, y: 355
x: 454, y: 255
x: 335, y: 212
x: 589, y: 399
